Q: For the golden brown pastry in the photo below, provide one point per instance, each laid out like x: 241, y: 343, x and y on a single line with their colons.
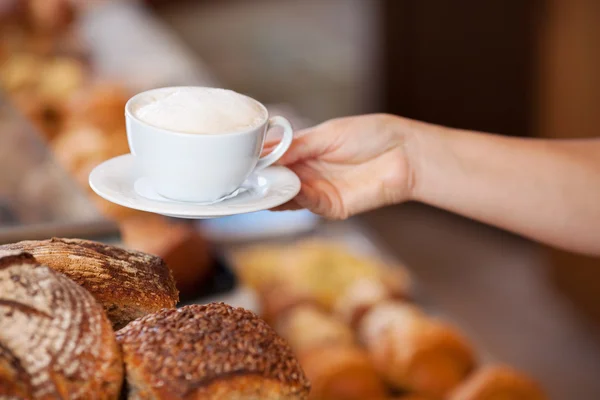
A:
x: 498, y: 382
x: 209, y: 352
x: 341, y: 373
x: 276, y: 300
x: 21, y: 71
x: 128, y: 284
x: 60, y: 78
x: 50, y: 16
x: 55, y: 341
x: 414, y: 352
x: 261, y: 266
x: 307, y: 326
x: 100, y: 105
x: 359, y: 298
x: 183, y: 248
x: 323, y: 269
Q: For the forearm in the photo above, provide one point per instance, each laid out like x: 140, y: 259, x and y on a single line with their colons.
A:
x: 548, y: 190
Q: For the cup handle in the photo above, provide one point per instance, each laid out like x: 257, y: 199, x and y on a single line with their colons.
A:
x: 282, y: 147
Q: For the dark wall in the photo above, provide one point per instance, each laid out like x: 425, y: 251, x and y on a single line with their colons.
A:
x: 462, y: 63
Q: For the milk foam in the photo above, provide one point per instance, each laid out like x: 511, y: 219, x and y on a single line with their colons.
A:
x: 200, y: 110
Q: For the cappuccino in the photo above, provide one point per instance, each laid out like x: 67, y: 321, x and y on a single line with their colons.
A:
x: 199, y: 110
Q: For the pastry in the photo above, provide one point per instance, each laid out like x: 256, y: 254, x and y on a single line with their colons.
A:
x: 341, y: 373
x: 210, y: 352
x: 278, y: 299
x: 261, y: 266
x: 55, y: 340
x: 413, y: 352
x: 358, y: 298
x: 128, y: 284
x: 306, y: 326
x: 183, y: 248
x: 498, y: 382
x: 322, y: 269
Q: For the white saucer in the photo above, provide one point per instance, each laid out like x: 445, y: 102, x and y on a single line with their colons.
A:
x: 117, y: 180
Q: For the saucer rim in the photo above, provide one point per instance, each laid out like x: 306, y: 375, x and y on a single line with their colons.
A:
x: 208, y: 211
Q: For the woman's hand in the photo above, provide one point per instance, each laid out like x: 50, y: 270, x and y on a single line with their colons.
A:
x: 351, y: 165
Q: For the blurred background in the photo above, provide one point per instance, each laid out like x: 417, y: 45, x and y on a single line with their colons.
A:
x: 522, y: 68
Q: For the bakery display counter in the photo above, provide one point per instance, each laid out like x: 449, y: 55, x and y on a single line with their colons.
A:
x: 349, y: 310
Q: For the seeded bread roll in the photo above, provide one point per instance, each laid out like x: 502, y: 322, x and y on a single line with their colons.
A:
x: 498, y: 382
x: 55, y: 340
x: 128, y: 284
x: 209, y: 352
x: 414, y: 352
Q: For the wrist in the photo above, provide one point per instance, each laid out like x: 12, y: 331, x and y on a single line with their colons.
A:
x: 419, y: 140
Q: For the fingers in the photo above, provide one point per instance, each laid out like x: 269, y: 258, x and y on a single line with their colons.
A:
x: 291, y: 205
x: 317, y: 194
x: 308, y: 144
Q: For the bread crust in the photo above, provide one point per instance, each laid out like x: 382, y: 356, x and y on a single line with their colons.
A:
x: 212, y: 351
x: 128, y: 284
x: 341, y: 372
x: 498, y: 381
x: 414, y: 352
x: 55, y: 339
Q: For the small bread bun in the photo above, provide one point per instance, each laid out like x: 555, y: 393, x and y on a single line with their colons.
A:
x: 55, y: 340
x: 413, y: 352
x: 128, y: 284
x: 306, y: 326
x: 341, y: 373
x: 209, y: 352
x: 498, y: 382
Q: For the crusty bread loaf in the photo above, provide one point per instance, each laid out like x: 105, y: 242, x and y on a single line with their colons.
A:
x: 498, y: 382
x: 128, y: 284
x: 341, y: 373
x: 209, y: 352
x: 55, y: 340
x: 414, y: 352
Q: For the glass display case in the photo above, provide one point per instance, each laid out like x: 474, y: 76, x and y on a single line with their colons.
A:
x: 37, y: 197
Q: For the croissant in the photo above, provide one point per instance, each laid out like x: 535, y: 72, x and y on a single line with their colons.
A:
x: 306, y: 327
x: 339, y: 372
x: 498, y: 382
x: 413, y: 352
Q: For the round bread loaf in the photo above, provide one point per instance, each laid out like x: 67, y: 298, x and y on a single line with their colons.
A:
x: 209, y: 352
x: 55, y: 340
x: 128, y: 284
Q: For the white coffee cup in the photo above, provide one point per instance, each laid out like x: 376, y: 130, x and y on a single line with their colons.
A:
x: 200, y: 167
